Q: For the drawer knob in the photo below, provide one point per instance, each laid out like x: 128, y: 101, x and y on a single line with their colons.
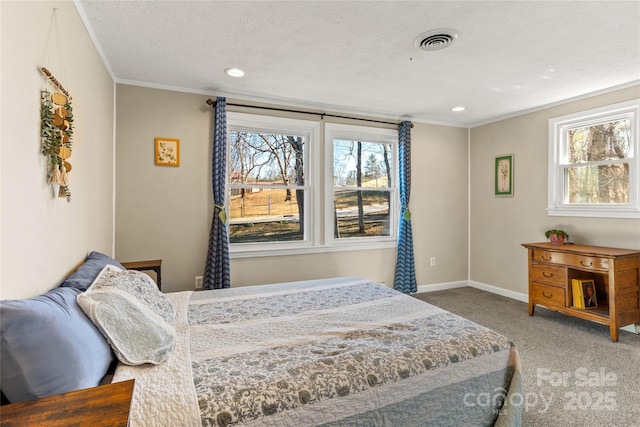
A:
x: 586, y: 264
x: 548, y: 276
x: 547, y: 296
x: 545, y: 258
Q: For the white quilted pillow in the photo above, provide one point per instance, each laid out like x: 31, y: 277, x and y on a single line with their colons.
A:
x: 133, y: 315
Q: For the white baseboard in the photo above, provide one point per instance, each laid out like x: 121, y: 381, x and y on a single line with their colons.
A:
x: 478, y: 285
x: 500, y: 291
x: 442, y: 286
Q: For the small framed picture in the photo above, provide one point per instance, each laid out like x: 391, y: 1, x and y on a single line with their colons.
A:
x: 504, y: 175
x: 589, y: 294
x: 167, y: 152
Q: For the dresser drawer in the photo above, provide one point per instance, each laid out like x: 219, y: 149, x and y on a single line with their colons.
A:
x: 582, y: 262
x: 549, y: 296
x: 550, y: 274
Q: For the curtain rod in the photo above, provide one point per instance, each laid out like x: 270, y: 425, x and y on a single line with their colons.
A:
x: 322, y: 115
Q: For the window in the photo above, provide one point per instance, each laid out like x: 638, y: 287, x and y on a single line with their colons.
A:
x: 271, y: 169
x: 277, y: 189
x: 593, y: 163
x: 360, y: 196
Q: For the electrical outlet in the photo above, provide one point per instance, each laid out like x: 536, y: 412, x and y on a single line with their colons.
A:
x: 198, y: 282
x: 433, y: 261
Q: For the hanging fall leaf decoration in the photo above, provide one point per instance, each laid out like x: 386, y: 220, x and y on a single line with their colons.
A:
x: 56, y: 132
x: 56, y: 116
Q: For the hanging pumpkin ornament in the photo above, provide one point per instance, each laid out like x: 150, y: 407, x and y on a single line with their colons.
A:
x: 62, y: 112
x: 64, y: 152
x: 57, y: 120
x: 59, y: 98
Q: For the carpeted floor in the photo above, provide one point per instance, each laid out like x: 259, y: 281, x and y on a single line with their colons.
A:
x: 574, y: 375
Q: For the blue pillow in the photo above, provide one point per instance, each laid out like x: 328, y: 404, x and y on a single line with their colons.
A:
x: 48, y: 346
x: 84, y: 276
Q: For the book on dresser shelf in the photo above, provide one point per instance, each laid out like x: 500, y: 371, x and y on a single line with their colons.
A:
x: 578, y: 301
x: 584, y: 294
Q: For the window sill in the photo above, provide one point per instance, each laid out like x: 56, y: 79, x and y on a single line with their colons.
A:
x: 595, y: 213
x: 364, y: 246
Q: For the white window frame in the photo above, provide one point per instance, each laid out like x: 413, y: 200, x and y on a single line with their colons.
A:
x: 368, y: 134
x: 557, y: 201
x: 280, y: 125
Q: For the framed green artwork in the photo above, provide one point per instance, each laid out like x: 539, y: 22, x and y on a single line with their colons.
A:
x: 504, y: 175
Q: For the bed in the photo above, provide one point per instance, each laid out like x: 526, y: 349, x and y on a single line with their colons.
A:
x: 335, y: 352
x: 331, y: 352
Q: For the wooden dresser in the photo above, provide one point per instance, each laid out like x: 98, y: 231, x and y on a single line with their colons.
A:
x: 615, y: 273
x: 102, y: 406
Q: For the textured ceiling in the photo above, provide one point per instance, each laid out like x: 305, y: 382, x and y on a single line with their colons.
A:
x: 358, y: 57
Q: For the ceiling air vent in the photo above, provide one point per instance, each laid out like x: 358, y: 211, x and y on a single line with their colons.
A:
x: 438, y: 39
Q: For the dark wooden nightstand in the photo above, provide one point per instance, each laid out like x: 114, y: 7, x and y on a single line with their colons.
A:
x: 105, y: 405
x: 154, y: 265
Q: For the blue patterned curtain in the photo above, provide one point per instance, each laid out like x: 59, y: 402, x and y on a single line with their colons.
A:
x: 405, y: 278
x: 217, y: 274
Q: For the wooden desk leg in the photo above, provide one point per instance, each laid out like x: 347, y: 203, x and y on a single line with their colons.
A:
x: 532, y: 306
x: 614, y: 327
x: 613, y: 307
x: 613, y: 330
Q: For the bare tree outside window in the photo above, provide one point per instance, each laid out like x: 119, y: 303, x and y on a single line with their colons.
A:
x: 594, y: 169
x: 598, y: 170
x: 266, y: 187
x: 362, y: 188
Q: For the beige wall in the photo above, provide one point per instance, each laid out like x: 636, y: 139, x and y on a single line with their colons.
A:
x: 500, y: 225
x: 43, y: 237
x: 165, y: 212
x: 439, y: 202
x: 162, y: 212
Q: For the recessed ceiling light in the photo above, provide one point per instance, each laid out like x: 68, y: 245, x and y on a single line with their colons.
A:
x: 458, y: 109
x: 234, y: 72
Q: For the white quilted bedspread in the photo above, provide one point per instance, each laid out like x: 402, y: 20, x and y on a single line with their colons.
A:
x: 340, y: 352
